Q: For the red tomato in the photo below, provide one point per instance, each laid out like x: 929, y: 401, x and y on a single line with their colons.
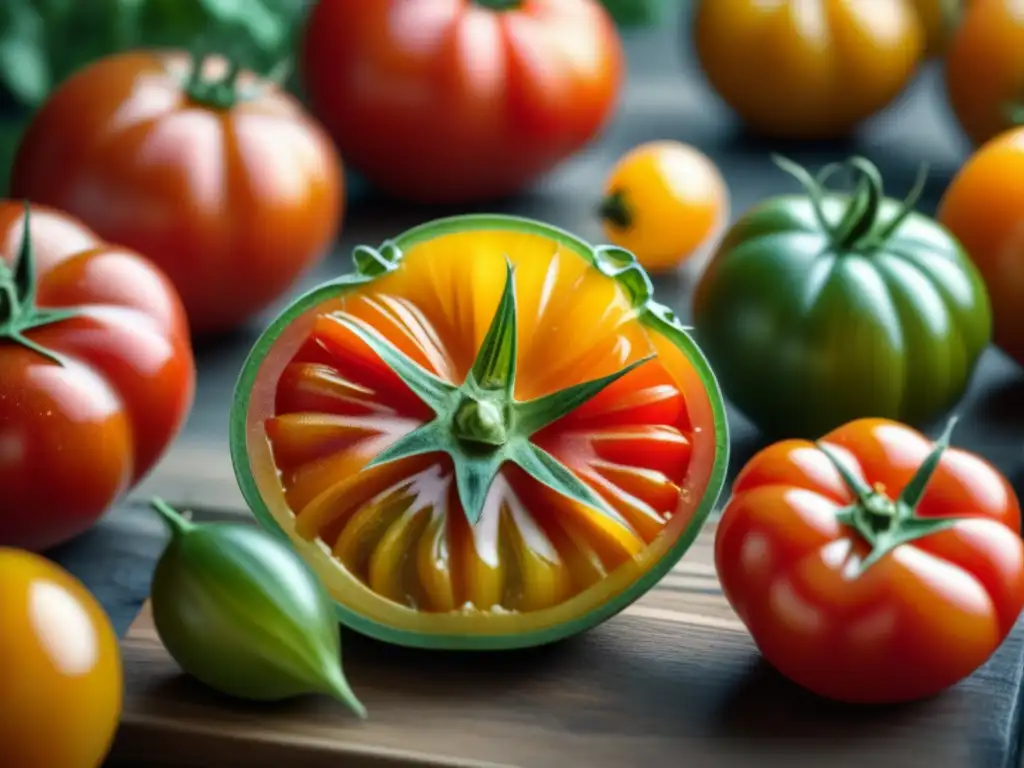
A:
x: 233, y: 191
x: 96, y: 375
x: 944, y: 590
x: 456, y: 101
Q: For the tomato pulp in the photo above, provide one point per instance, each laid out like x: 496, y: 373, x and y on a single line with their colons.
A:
x: 394, y: 543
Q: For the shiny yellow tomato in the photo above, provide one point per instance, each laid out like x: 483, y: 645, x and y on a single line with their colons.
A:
x: 985, y: 68
x: 811, y: 69
x: 60, y: 668
x: 663, y: 201
x: 940, y: 19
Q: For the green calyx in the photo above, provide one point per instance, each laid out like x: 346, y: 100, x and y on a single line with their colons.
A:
x: 480, y: 424
x: 861, y: 227
x: 224, y: 93
x: 615, y: 210
x: 500, y: 5
x: 886, y: 523
x: 240, y: 611
x: 19, y: 313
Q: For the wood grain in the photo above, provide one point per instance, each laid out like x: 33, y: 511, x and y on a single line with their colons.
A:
x: 673, y: 680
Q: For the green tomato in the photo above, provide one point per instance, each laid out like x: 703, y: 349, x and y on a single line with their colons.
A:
x: 822, y: 308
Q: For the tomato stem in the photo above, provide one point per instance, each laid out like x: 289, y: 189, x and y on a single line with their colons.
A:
x: 615, y: 210
x: 885, y: 523
x: 175, y: 521
x: 500, y: 5
x: 862, y: 212
x: 219, y: 94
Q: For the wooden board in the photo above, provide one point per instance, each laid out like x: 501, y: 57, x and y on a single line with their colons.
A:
x: 672, y: 681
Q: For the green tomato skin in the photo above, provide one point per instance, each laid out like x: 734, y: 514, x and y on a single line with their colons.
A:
x: 804, y: 338
x: 241, y: 612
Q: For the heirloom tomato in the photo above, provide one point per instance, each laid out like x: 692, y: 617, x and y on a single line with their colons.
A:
x: 822, y: 308
x: 96, y: 374
x: 984, y: 207
x: 61, y: 696
x: 807, y: 70
x: 219, y: 178
x: 873, y: 566
x: 985, y: 69
x: 458, y: 101
x: 488, y: 436
x: 663, y: 201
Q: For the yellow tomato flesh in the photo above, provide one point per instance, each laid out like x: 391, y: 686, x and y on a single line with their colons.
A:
x: 392, y: 543
x: 674, y: 200
x: 60, y: 668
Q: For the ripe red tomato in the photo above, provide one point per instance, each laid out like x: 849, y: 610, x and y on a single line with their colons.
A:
x: 456, y: 101
x: 228, y: 186
x: 887, y: 594
x: 96, y: 374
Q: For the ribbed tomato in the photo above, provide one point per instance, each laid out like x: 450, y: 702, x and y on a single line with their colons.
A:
x: 489, y: 436
x: 96, y: 374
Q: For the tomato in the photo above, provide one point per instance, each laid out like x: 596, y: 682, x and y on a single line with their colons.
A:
x: 825, y: 307
x: 61, y: 697
x: 940, y: 19
x: 985, y: 69
x: 488, y: 436
x: 809, y: 70
x: 887, y: 584
x: 459, y: 101
x: 224, y: 182
x: 983, y: 206
x: 664, y: 201
x: 96, y: 374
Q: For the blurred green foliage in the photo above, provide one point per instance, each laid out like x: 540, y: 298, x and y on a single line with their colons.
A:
x: 44, y: 41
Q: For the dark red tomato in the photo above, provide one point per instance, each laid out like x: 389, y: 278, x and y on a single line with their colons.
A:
x: 224, y: 182
x: 96, y: 374
x: 456, y: 101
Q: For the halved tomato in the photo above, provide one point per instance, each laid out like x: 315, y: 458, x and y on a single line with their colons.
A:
x: 488, y: 436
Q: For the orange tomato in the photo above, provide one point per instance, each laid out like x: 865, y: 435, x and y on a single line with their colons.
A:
x: 807, y: 70
x: 233, y: 191
x: 880, y: 590
x: 60, y: 667
x: 985, y: 68
x: 663, y: 201
x: 984, y: 208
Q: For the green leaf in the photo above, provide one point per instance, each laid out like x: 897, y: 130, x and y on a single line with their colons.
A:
x: 24, y: 65
x: 474, y: 476
x: 549, y: 471
x: 636, y: 13
x: 429, y: 438
x: 914, y: 490
x: 495, y: 364
x: 534, y: 415
x: 425, y: 385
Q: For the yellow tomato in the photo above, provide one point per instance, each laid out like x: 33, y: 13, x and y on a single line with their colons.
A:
x: 60, y: 668
x: 811, y: 69
x: 663, y: 201
x: 940, y: 19
x: 985, y: 68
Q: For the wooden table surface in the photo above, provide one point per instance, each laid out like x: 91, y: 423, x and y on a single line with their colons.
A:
x: 665, y: 99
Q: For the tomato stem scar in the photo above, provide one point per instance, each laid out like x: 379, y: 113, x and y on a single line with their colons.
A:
x: 887, y: 523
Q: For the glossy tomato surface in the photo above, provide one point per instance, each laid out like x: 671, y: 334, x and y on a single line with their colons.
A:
x: 232, y: 202
x: 985, y: 68
x: 393, y: 542
x: 61, y: 668
x: 984, y: 207
x: 75, y: 434
x: 664, y: 201
x: 457, y: 101
x: 811, y: 69
x: 924, y: 616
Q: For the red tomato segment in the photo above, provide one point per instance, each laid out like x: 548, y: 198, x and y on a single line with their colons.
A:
x: 448, y: 101
x: 917, y: 620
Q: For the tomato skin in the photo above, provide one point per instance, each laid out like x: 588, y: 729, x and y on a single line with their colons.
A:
x: 446, y: 101
x: 61, y: 666
x: 675, y: 201
x: 923, y: 617
x: 984, y: 207
x: 74, y: 437
x: 985, y: 69
x: 232, y: 204
x: 805, y: 336
x: 806, y: 70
